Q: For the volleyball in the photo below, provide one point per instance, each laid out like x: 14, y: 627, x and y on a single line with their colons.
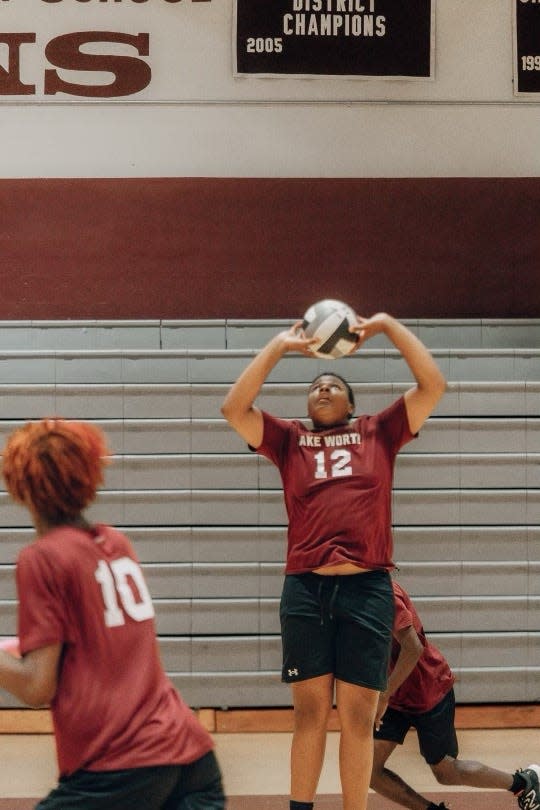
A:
x: 328, y: 321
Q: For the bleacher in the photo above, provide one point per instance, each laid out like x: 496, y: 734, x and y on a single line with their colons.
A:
x: 207, y: 517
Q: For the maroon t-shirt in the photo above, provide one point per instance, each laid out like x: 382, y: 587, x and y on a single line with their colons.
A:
x: 337, y: 485
x: 432, y: 678
x: 114, y: 707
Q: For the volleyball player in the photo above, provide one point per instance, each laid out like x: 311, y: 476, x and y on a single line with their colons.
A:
x: 337, y: 604
x: 420, y: 695
x: 124, y: 737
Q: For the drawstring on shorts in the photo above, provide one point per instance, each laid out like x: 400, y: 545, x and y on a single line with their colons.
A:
x: 332, y: 600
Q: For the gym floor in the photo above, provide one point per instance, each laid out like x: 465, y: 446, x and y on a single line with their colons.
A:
x: 255, y: 768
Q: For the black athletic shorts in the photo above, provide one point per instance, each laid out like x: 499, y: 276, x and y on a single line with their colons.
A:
x: 196, y: 786
x: 435, y: 728
x: 340, y: 625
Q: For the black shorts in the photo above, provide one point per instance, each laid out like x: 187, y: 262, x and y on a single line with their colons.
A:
x: 435, y: 728
x: 196, y: 786
x: 340, y: 625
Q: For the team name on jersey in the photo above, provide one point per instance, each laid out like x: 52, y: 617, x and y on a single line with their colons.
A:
x: 333, y: 440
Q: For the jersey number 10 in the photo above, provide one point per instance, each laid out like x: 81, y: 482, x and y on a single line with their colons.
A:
x: 120, y: 580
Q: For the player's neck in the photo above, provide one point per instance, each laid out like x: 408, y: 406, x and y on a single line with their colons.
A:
x: 44, y: 525
x: 317, y: 426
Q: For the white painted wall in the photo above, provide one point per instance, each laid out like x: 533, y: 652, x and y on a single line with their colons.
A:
x: 196, y: 119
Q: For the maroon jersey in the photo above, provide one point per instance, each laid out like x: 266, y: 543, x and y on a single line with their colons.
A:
x: 114, y: 707
x: 338, y: 487
x: 432, y: 678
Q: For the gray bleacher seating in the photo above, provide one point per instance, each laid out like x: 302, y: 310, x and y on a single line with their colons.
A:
x: 207, y: 517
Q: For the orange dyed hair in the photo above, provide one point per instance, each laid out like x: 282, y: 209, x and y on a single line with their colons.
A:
x: 54, y: 467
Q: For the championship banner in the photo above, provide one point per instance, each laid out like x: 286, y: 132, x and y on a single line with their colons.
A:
x: 526, y: 46
x: 349, y: 38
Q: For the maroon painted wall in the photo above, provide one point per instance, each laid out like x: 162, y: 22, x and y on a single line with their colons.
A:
x: 257, y: 248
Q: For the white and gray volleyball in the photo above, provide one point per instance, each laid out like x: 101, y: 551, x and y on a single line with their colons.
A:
x: 329, y: 322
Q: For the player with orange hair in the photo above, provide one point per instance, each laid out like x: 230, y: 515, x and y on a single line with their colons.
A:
x: 54, y: 467
x: 124, y: 737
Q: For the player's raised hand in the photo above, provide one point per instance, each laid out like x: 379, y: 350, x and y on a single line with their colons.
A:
x: 367, y: 328
x: 295, y: 339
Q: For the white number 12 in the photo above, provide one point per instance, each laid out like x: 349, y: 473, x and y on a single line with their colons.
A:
x: 113, y: 579
x: 339, y: 467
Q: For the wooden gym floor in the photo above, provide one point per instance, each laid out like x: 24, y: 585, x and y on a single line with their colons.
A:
x: 253, y: 750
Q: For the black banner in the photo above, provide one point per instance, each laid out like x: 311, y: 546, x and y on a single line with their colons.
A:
x: 527, y: 46
x: 371, y: 38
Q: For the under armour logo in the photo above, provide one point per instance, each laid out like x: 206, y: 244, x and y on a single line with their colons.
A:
x: 292, y: 672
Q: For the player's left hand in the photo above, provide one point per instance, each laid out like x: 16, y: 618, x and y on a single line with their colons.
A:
x: 381, y: 708
x: 366, y: 328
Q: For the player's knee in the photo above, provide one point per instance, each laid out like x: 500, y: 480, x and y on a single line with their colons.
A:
x: 445, y: 772
x: 443, y: 778
x: 311, y: 714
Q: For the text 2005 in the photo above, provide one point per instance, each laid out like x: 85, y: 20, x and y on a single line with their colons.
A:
x: 264, y: 45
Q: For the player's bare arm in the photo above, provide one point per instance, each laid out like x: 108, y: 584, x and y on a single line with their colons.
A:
x: 411, y: 650
x: 34, y: 677
x: 420, y: 400
x: 238, y: 406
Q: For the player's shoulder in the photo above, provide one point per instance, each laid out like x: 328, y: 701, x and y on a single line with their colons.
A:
x: 38, y: 559
x: 26, y: 553
x: 113, y: 541
x: 280, y: 430
x: 283, y: 422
